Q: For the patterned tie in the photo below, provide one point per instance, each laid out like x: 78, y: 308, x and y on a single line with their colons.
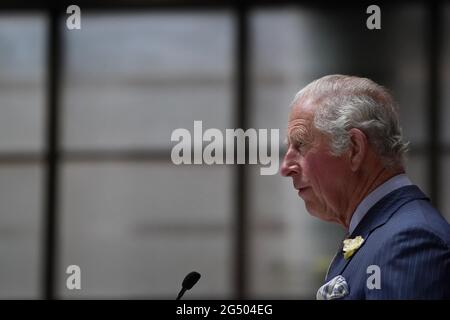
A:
x: 341, y: 246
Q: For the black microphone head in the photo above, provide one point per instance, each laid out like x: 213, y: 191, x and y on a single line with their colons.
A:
x: 190, y: 280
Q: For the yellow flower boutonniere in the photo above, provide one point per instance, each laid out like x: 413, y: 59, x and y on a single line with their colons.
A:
x: 351, y: 246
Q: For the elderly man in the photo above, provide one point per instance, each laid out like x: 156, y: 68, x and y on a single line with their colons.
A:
x: 346, y: 159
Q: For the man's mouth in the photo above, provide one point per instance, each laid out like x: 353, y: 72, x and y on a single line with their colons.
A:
x: 301, y: 190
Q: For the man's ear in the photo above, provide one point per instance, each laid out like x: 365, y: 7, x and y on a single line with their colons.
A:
x: 358, y: 148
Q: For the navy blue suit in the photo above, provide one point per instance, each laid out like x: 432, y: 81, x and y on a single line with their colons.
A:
x: 409, y: 241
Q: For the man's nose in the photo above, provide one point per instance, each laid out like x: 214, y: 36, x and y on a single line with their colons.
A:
x: 290, y: 166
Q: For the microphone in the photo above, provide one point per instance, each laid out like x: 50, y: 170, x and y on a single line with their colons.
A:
x: 189, y: 281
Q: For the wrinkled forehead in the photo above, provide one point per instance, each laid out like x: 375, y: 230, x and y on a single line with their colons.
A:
x: 300, y: 123
x: 301, y: 129
x: 302, y: 110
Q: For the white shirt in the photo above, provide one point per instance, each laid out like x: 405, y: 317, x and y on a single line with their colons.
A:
x: 372, y: 198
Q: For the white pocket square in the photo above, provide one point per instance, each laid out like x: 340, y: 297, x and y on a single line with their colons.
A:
x: 336, y: 288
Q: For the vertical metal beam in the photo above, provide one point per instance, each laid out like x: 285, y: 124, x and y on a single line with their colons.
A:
x: 241, y: 120
x: 434, y: 58
x: 50, y: 235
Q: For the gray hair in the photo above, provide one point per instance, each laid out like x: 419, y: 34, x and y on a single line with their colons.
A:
x: 345, y: 102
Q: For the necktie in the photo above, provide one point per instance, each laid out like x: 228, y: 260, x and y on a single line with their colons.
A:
x: 337, y: 253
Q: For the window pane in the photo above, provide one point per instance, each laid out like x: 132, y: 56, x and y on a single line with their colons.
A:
x: 22, y: 87
x: 136, y: 229
x: 20, y: 222
x: 132, y: 79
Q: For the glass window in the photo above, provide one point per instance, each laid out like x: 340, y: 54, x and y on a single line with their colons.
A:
x: 20, y: 231
x: 22, y: 93
x: 22, y: 86
x: 136, y: 228
x: 132, y: 79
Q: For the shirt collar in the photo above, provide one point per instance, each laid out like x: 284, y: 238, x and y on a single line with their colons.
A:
x: 372, y: 198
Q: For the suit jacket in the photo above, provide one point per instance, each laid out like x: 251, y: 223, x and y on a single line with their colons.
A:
x: 410, y: 243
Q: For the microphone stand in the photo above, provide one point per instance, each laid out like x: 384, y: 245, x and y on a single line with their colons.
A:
x: 182, y: 291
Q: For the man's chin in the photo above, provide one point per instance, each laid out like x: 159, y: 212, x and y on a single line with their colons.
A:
x: 311, y: 210
x: 317, y: 213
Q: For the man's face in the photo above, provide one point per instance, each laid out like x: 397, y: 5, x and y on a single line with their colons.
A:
x: 319, y: 176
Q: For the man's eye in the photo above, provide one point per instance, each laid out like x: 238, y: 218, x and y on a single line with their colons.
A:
x: 298, y: 145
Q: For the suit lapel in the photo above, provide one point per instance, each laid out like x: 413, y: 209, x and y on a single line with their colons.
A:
x: 377, y: 216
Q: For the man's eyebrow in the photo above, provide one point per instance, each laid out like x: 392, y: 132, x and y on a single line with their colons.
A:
x: 299, y: 135
x: 297, y: 138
